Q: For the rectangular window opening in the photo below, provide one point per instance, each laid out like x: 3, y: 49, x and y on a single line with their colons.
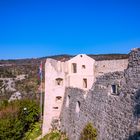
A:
x: 74, y: 67
x: 114, y: 89
x: 55, y: 108
x: 84, y: 83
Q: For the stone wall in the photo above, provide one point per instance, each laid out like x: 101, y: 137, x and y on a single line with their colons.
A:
x: 106, y: 66
x: 116, y: 116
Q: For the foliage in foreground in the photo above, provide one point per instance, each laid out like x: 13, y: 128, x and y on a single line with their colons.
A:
x: 16, y: 118
x: 89, y: 133
x: 34, y: 132
x: 55, y: 135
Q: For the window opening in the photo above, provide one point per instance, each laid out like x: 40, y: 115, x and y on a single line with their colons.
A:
x: 114, y: 89
x: 58, y: 98
x: 59, y: 81
x: 55, y: 107
x: 74, y: 67
x: 83, y: 66
x: 78, y: 107
x: 67, y: 101
x: 84, y: 83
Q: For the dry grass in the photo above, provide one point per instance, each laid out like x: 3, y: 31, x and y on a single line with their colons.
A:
x: 10, y: 110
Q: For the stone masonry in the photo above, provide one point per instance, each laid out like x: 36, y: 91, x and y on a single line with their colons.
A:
x: 112, y: 105
x: 80, y: 72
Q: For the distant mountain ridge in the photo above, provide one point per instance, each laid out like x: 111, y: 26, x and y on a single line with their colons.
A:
x: 65, y: 57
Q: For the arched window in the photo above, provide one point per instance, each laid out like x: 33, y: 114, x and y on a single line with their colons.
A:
x: 59, y: 82
x: 67, y: 101
x: 78, y: 107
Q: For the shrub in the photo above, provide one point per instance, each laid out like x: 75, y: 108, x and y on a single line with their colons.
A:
x: 33, y: 132
x: 89, y: 133
x: 16, y: 118
x: 28, y: 112
x: 55, y: 135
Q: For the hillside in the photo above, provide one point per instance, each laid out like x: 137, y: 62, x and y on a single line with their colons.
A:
x: 21, y: 75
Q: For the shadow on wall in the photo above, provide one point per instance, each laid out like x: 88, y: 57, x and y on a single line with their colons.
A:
x: 137, y: 105
x: 71, y: 112
x: 136, y: 98
x: 134, y: 136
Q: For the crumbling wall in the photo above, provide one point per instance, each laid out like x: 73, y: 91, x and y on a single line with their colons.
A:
x: 107, y: 66
x: 116, y: 116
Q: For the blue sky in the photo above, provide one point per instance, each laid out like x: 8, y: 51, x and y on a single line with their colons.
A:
x: 35, y: 28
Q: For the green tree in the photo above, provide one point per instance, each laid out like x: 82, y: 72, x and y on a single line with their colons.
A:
x: 16, y: 118
x: 28, y: 113
x: 89, y: 133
